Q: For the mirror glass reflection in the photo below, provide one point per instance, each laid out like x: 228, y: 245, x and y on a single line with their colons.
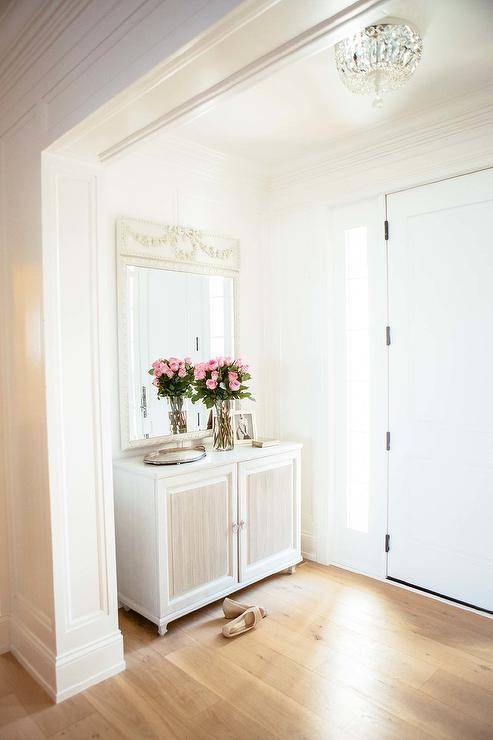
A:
x: 172, y: 313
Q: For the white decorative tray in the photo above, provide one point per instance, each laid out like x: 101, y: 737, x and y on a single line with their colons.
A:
x: 175, y: 456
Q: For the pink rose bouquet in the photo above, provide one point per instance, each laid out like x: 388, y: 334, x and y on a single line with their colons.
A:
x: 173, y: 377
x: 220, y: 379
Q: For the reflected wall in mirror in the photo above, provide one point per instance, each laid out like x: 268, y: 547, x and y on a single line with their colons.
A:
x: 177, y: 298
x: 173, y: 314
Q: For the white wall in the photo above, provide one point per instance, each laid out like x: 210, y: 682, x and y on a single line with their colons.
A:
x: 297, y: 341
x: 284, y: 299
x: 168, y: 188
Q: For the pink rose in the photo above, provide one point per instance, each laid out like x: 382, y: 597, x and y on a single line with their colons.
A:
x: 199, y: 373
x: 220, y: 361
x: 212, y: 365
x: 168, y: 371
x: 157, y: 372
x: 182, y: 372
x: 174, y: 366
x: 232, y: 376
x: 228, y: 360
x: 214, y: 375
x: 234, y: 385
x: 245, y: 368
x: 187, y: 360
x: 211, y: 384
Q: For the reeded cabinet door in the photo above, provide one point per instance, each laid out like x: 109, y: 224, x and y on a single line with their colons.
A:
x: 200, y: 544
x: 269, y: 514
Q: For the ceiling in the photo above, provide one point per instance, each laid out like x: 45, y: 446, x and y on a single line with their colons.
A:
x: 303, y: 108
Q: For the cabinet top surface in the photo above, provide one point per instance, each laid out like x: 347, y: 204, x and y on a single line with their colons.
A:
x: 213, y: 459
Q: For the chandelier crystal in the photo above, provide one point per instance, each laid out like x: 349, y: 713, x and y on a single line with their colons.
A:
x: 379, y: 58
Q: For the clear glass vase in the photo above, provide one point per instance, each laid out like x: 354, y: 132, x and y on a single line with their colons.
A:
x: 177, y: 416
x: 223, y: 433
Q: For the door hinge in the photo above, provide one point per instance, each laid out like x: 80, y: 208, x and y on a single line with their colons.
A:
x: 387, y: 335
x: 387, y: 542
x: 386, y: 230
x: 387, y: 441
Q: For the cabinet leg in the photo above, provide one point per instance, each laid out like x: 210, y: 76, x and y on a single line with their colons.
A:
x: 291, y: 570
x: 162, y: 629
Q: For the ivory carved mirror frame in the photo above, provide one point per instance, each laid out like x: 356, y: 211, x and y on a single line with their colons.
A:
x: 178, y: 249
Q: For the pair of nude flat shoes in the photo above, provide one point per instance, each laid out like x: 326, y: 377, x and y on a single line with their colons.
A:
x: 243, y: 616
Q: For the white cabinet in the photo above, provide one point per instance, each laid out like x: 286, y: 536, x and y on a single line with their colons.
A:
x: 188, y: 535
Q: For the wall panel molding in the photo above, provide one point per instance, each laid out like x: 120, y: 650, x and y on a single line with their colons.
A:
x: 78, y: 431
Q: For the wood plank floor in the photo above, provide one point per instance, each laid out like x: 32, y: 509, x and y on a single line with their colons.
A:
x: 339, y: 656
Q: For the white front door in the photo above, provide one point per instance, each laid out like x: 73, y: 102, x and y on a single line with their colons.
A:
x: 441, y: 388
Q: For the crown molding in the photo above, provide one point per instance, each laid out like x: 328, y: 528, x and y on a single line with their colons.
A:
x: 398, y: 138
x: 395, y: 140
x: 204, y: 162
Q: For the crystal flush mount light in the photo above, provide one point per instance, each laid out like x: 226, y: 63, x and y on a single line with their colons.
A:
x: 379, y: 58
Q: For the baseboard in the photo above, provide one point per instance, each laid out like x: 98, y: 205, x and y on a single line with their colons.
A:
x: 359, y: 571
x: 34, y: 656
x: 4, y: 634
x: 89, y: 665
x: 308, y: 550
x: 90, y: 681
x: 64, y: 676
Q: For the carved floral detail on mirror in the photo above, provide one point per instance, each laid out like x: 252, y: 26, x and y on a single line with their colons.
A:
x: 171, y: 280
x: 178, y: 242
x: 186, y: 243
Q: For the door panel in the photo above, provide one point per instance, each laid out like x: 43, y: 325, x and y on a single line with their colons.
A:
x: 201, y: 540
x: 269, y: 515
x: 441, y: 397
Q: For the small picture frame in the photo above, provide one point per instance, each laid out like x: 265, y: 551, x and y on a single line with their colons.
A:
x: 244, y: 426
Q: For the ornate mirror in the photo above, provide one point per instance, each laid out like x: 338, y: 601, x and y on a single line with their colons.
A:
x: 177, y: 297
